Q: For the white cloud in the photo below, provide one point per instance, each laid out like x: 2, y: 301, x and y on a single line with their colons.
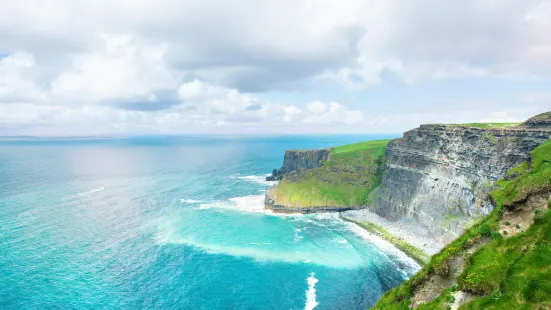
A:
x: 435, y: 40
x: 121, y: 70
x: 316, y: 108
x: 331, y: 113
x: 16, y: 79
x: 187, y: 64
x: 202, y: 106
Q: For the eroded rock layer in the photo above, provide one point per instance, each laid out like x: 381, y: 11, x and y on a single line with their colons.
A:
x: 439, y: 175
x: 300, y: 159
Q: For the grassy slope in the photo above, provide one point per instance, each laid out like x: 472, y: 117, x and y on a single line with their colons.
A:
x: 346, y: 179
x: 508, y: 273
x: 488, y: 125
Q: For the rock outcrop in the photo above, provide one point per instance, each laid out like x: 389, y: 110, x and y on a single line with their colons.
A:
x: 439, y: 175
x: 300, y: 159
x: 539, y: 121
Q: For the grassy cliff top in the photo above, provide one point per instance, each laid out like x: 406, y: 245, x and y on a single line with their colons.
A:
x: 346, y: 179
x: 487, y: 125
x: 375, y: 145
x: 512, y: 267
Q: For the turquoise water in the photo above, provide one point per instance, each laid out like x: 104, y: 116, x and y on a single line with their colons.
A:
x: 173, y: 223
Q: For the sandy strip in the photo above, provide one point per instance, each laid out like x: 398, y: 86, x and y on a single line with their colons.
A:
x: 411, y: 233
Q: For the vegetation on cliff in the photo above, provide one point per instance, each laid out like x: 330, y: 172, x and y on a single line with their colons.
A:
x: 418, y: 255
x: 488, y: 125
x: 501, y: 262
x: 345, y: 179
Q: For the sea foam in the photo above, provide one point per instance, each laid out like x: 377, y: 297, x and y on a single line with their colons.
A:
x: 251, y: 203
x: 386, y: 248
x: 99, y: 189
x: 311, y: 302
x: 258, y: 179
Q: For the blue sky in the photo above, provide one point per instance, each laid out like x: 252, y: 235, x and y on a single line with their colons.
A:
x: 269, y: 67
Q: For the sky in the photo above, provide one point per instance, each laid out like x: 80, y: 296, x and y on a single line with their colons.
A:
x: 133, y: 67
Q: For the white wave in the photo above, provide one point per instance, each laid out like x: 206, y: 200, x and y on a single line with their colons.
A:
x: 99, y: 189
x: 385, y: 247
x: 326, y: 216
x: 253, y: 203
x: 171, y: 230
x: 190, y: 201
x: 297, y: 233
x: 341, y: 240
x: 311, y: 302
x: 258, y: 179
x: 258, y: 253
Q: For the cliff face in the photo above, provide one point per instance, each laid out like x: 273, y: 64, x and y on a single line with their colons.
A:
x: 539, y: 121
x: 439, y: 175
x: 495, y: 263
x: 300, y: 159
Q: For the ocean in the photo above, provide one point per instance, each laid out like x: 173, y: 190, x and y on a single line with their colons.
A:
x: 174, y: 223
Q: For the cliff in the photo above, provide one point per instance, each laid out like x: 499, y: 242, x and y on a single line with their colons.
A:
x: 334, y: 179
x: 294, y: 160
x: 303, y: 159
x: 542, y: 120
x: 439, y: 175
x: 503, y: 261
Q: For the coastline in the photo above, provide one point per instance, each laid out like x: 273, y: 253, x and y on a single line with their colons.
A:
x: 417, y: 255
x: 418, y: 247
x: 308, y: 210
x: 414, y: 243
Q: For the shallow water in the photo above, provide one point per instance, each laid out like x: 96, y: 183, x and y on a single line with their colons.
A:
x: 173, y: 223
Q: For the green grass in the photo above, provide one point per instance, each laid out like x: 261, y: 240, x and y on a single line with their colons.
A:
x: 512, y: 273
x: 508, y: 273
x: 346, y: 179
x: 376, y: 145
x: 488, y: 125
x: 441, y: 302
x: 418, y: 255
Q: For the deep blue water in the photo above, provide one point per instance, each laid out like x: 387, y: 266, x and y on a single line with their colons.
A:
x: 173, y: 223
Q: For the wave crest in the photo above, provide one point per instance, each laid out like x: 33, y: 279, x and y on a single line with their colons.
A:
x: 311, y: 302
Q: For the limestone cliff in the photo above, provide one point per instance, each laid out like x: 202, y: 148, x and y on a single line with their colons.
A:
x: 501, y: 261
x: 439, y: 175
x: 300, y: 159
x: 539, y: 121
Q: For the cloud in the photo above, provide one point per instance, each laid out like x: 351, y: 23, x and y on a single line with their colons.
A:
x: 331, y: 113
x: 121, y: 70
x: 281, y: 45
x: 229, y: 105
x: 187, y: 65
x: 200, y: 107
x: 16, y: 79
x: 435, y: 40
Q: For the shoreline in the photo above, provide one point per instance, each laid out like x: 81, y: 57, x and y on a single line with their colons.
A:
x: 411, y: 241
x: 279, y: 209
x: 408, y: 232
x: 418, y: 255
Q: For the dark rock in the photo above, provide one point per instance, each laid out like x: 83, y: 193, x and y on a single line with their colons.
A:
x: 439, y: 175
x: 299, y: 159
x: 302, y: 159
x: 273, y: 176
x: 539, y: 121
